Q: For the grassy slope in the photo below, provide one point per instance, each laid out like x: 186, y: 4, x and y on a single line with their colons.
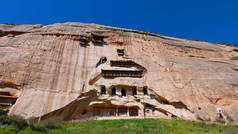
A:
x: 132, y: 126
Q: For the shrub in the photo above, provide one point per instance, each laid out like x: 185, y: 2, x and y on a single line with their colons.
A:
x: 4, y: 117
x: 18, y: 121
x: 50, y: 123
x: 236, y: 69
x: 234, y: 58
x: 145, y: 31
x: 3, y: 112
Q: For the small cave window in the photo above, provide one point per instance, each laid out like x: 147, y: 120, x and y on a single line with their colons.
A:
x: 103, y: 90
x: 145, y: 90
x: 199, y: 108
x: 120, y: 52
x: 235, y: 50
x: 220, y: 115
x: 97, y: 38
x: 113, y: 91
x: 123, y: 92
x: 134, y: 91
x: 164, y: 102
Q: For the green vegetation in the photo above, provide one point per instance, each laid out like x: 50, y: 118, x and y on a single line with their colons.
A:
x: 236, y: 69
x: 145, y: 31
x: 130, y: 126
x: 17, y: 125
x: 234, y: 58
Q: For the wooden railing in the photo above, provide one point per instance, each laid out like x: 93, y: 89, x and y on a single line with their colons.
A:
x: 122, y: 73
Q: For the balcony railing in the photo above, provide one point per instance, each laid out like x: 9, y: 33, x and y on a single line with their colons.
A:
x: 122, y: 73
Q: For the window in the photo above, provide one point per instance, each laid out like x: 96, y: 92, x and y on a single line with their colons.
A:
x: 134, y: 92
x: 145, y: 90
x: 97, y: 38
x: 103, y: 90
x: 123, y: 92
x: 113, y: 91
x: 120, y: 52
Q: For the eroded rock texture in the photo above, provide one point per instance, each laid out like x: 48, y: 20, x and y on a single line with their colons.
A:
x: 86, y: 71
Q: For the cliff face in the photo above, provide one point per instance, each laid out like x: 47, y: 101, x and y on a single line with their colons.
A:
x: 88, y: 71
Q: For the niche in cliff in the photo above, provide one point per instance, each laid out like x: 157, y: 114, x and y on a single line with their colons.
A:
x: 10, y: 33
x: 98, y: 39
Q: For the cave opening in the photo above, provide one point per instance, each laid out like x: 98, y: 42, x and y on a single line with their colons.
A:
x: 113, y: 91
x: 145, y: 91
x: 134, y: 91
x: 120, y: 52
x: 123, y: 92
x: 133, y: 112
x: 103, y: 90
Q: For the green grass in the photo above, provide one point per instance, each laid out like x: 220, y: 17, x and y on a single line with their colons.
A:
x: 234, y: 58
x: 130, y: 126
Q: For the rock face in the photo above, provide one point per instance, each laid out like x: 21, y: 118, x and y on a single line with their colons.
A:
x: 86, y: 71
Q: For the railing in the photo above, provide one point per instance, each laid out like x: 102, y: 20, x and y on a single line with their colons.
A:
x: 6, y: 99
x: 122, y: 73
x: 123, y: 63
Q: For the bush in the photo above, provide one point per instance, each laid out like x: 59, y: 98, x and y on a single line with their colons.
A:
x: 50, y: 123
x: 3, y: 112
x: 18, y: 121
x: 236, y: 69
x: 234, y: 58
x: 4, y: 117
x: 145, y: 31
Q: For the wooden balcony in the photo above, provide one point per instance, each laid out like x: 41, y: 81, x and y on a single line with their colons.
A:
x: 121, y: 63
x: 122, y: 73
x: 6, y: 99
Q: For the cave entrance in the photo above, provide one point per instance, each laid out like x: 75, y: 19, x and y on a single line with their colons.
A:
x: 113, y: 92
x: 122, y: 111
x: 113, y: 111
x: 120, y: 52
x: 123, y: 92
x: 145, y: 90
x: 133, y: 111
x: 134, y: 91
x: 103, y: 90
x: 104, y: 111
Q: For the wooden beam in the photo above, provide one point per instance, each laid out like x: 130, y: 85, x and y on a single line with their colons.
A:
x: 10, y: 98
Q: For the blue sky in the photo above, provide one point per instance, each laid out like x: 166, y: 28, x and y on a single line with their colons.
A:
x: 211, y: 20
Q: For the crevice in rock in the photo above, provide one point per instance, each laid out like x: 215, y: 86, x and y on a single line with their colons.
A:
x: 10, y: 33
x: 162, y: 100
x: 236, y: 50
x: 83, y: 39
x: 191, y: 47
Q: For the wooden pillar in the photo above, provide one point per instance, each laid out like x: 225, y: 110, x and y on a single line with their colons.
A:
x: 117, y: 111
x: 128, y: 114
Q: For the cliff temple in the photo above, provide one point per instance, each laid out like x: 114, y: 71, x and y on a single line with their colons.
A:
x: 78, y: 71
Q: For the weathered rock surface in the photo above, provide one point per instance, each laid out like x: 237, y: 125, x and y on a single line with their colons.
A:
x: 57, y: 70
